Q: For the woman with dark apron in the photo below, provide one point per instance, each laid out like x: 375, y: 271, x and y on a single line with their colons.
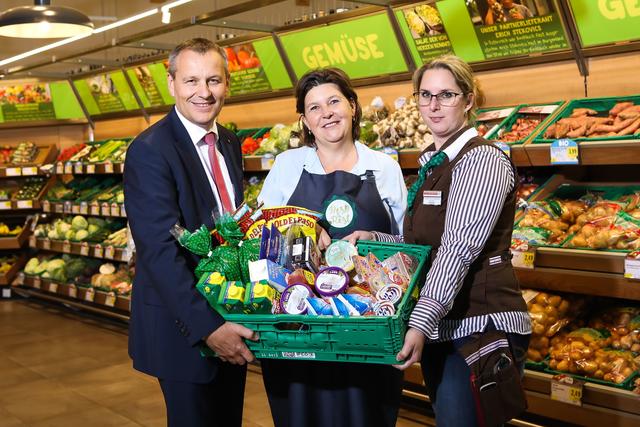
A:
x: 355, y: 188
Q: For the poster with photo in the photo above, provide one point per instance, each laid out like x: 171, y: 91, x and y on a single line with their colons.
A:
x: 247, y: 73
x: 143, y: 82
x: 26, y: 102
x: 516, y: 27
x: 424, y: 32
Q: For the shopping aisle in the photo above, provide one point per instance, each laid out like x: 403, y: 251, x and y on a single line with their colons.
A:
x: 59, y: 368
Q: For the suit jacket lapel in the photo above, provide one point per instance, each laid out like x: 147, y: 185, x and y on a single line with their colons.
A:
x: 233, y: 160
x: 189, y: 156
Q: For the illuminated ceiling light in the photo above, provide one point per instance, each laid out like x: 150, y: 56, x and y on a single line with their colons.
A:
x: 43, y: 21
x: 126, y: 21
x: 166, y: 17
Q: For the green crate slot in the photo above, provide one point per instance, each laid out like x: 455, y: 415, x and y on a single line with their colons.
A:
x: 499, y: 121
x: 511, y: 119
x: 261, y: 132
x: 537, y: 366
x: 367, y: 339
x: 625, y: 385
x: 602, y: 105
x: 243, y: 133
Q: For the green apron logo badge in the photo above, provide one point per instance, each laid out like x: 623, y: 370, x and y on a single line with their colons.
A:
x: 339, y: 212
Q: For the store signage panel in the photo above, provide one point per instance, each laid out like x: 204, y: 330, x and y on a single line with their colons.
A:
x: 38, y: 101
x: 106, y: 93
x: 145, y: 86
x: 363, y: 47
x: 424, y: 32
x: 485, y: 29
x: 606, y: 21
x: 256, y: 67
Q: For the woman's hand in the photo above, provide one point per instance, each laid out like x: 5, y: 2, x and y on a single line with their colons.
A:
x: 411, y: 350
x: 358, y: 235
x: 324, y: 240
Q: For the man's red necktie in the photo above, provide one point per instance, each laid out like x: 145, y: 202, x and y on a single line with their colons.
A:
x: 225, y: 198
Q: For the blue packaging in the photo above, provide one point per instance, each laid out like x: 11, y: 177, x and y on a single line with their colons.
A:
x: 361, y: 303
x: 320, y: 306
x: 274, y: 274
x: 264, y: 242
x: 275, y: 251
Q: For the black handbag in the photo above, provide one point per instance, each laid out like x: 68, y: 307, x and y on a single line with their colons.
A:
x: 495, y: 379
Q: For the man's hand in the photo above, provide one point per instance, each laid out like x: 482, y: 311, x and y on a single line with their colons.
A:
x: 227, y: 342
x: 411, y: 350
x: 324, y: 240
x: 358, y: 235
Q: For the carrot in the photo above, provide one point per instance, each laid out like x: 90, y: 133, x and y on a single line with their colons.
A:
x: 630, y: 129
x: 620, y: 106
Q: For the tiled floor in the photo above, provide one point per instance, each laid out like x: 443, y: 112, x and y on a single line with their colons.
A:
x: 61, y: 369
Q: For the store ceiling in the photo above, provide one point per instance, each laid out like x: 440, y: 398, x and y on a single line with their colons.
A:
x: 148, y: 37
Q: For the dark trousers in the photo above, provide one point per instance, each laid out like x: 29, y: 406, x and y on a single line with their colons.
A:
x: 218, y: 403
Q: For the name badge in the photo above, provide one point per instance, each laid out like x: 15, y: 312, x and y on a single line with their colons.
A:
x: 432, y: 198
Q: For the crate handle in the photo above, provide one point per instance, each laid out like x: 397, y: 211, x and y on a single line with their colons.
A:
x: 292, y: 326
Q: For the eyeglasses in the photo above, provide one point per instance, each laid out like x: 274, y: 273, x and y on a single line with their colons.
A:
x: 445, y: 98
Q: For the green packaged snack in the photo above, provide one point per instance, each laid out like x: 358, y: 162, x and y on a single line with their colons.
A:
x: 211, y: 287
x: 260, y: 298
x: 232, y: 297
x: 249, y: 250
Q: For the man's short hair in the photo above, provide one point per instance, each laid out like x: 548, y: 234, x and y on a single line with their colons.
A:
x: 199, y: 45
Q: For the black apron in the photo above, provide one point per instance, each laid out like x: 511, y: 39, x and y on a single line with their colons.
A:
x: 336, y: 394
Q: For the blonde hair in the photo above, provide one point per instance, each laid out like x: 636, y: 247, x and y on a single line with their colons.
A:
x: 462, y: 74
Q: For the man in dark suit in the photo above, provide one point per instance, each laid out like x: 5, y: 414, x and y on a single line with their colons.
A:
x: 181, y: 170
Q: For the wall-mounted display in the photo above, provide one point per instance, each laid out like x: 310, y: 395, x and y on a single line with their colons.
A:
x: 424, y: 32
x: 38, y: 101
x: 362, y: 47
x: 106, y: 93
x: 606, y: 21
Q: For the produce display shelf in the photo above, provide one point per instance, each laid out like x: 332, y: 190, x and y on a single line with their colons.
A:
x: 408, y: 158
x: 579, y: 282
x: 257, y: 163
x: 599, y: 402
x: 46, y: 154
x: 84, y: 168
x: 16, y: 242
x: 27, y: 204
x: 95, y: 250
x: 591, y: 153
x: 84, y: 208
x: 7, y: 278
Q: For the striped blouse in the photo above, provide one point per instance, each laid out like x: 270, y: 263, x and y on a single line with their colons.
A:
x: 480, y: 183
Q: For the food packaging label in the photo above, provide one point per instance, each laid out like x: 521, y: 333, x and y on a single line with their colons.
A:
x: 268, y: 270
x: 391, y: 293
x: 340, y: 254
x: 294, y: 299
x: 331, y: 281
x: 232, y: 297
x: 305, y: 254
x: 260, y: 298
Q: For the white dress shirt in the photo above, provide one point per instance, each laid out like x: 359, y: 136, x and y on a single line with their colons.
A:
x: 197, y: 138
x: 283, y: 178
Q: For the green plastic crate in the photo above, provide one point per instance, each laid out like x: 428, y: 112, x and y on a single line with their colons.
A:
x: 516, y: 114
x: 498, y: 122
x: 367, y: 339
x: 602, y: 105
x: 243, y: 133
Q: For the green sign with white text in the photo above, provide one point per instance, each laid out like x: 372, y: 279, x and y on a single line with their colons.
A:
x: 38, y: 101
x: 424, y: 32
x: 363, y: 47
x: 606, y: 21
x: 106, y: 93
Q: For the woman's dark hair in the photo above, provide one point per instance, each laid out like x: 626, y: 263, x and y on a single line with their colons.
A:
x: 319, y: 77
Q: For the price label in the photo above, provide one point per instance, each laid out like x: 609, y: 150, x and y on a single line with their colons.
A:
x: 91, y: 168
x: 90, y: 295
x: 58, y: 207
x: 567, y: 390
x: 564, y: 152
x: 266, y: 162
x: 110, y: 301
x: 32, y: 241
x: 66, y: 207
x: 108, y: 167
x: 29, y: 171
x: 66, y: 247
x: 37, y: 283
x: 46, y: 206
x: 84, y: 249
x: 98, y: 252
x: 494, y: 114
x: 68, y: 168
x: 46, y: 243
x: 59, y: 168
x: 73, y: 291
x: 632, y: 265
x: 119, y: 167
x: 506, y: 148
x: 75, y: 209
x: 83, y: 208
x: 109, y: 252
x: 391, y: 152
x: 19, y: 280
x: 25, y: 204
x: 13, y: 172
x: 123, y: 213
x: 5, y: 205
x: 53, y: 287
x: 78, y: 168
x: 115, y: 209
x: 523, y: 259
x: 95, y: 209
x: 539, y: 109
x: 105, y: 209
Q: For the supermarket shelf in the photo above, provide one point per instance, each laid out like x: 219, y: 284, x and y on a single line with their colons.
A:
x: 84, y: 208
x: 77, y: 248
x: 599, y: 403
x: 580, y: 259
x: 63, y: 293
x: 591, y: 153
x: 16, y: 242
x: 7, y: 278
x: 46, y: 154
x: 28, y: 204
x: 81, y: 168
x: 579, y: 282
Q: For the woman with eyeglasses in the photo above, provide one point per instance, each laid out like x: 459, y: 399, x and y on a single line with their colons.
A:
x: 462, y: 205
x: 355, y: 188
